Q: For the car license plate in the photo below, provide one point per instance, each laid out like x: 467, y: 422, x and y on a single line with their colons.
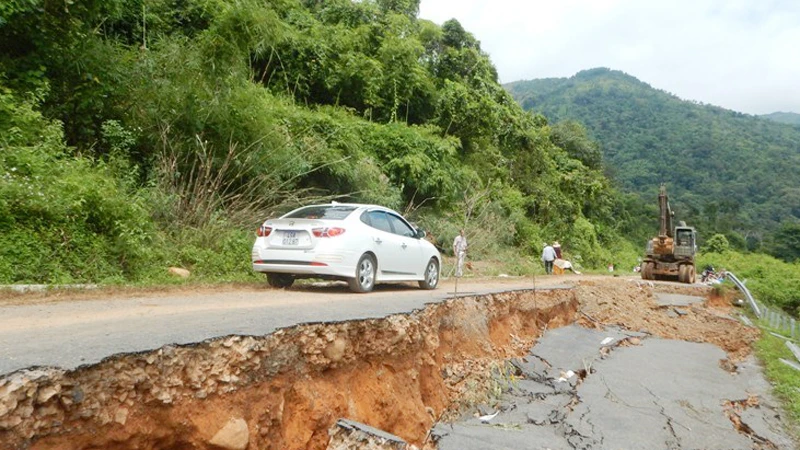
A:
x: 290, y: 238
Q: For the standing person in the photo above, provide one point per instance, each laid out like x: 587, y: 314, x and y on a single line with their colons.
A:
x: 460, y: 251
x: 557, y: 248
x: 548, y: 256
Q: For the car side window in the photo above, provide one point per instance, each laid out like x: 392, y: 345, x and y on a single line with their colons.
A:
x: 400, y: 227
x: 378, y: 219
x: 365, y: 218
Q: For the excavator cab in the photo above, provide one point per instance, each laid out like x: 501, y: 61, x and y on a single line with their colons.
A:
x: 685, y: 242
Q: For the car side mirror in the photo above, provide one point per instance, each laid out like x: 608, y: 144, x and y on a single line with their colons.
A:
x: 421, y: 233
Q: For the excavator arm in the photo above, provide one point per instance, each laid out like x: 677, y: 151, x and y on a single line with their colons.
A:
x: 666, y: 214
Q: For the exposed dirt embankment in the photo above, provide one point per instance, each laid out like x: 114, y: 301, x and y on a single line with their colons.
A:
x: 631, y: 305
x: 285, y: 390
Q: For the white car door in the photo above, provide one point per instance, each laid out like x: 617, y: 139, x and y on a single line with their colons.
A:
x: 385, y: 244
x: 410, y: 264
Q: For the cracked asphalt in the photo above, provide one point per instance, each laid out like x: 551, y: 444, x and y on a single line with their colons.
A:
x: 628, y: 391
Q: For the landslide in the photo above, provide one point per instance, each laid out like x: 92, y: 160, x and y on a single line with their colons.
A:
x: 400, y: 374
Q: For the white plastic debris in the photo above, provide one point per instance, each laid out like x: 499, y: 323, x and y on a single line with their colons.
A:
x: 566, y: 376
x: 607, y: 341
x: 488, y: 417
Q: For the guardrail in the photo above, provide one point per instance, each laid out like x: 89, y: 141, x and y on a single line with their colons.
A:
x: 771, y: 317
x: 743, y: 288
x: 776, y: 320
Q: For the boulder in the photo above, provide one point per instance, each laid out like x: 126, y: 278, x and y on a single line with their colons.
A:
x: 179, y: 272
x: 235, y: 435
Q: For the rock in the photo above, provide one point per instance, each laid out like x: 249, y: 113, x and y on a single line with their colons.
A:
x: 121, y: 416
x: 335, y: 350
x: 10, y: 422
x: 233, y: 436
x: 634, y: 341
x: 179, y: 272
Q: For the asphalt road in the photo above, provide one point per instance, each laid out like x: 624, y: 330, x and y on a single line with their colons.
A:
x: 655, y: 394
x: 68, y: 334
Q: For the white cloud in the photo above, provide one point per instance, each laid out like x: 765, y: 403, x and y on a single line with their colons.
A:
x: 737, y: 54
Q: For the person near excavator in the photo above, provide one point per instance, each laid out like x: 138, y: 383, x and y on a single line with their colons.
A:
x: 548, y: 256
x: 557, y: 249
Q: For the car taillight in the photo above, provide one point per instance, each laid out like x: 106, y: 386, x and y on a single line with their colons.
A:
x: 327, y: 232
x: 263, y: 231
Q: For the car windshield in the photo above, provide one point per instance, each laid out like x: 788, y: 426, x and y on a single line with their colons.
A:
x: 327, y: 212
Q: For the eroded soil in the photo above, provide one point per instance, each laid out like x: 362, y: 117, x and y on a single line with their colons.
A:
x: 400, y: 374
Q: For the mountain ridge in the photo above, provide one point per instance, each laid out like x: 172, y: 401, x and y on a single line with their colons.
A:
x: 790, y: 118
x: 726, y: 169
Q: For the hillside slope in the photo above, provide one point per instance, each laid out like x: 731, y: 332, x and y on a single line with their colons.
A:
x: 724, y: 169
x: 138, y: 135
x: 783, y: 117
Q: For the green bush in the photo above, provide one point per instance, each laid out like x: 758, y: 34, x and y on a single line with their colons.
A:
x: 62, y: 218
x: 769, y: 279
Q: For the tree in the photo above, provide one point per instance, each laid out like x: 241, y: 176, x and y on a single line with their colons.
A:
x: 717, y: 244
x: 574, y: 139
x: 786, y: 242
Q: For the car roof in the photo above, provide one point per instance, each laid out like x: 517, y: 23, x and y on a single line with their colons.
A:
x: 355, y: 205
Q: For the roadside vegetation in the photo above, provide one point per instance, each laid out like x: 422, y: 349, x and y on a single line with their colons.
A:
x: 785, y: 380
x: 139, y: 135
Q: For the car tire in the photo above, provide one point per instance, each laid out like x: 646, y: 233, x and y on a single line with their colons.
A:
x: 280, y: 280
x: 364, y: 279
x: 431, y: 275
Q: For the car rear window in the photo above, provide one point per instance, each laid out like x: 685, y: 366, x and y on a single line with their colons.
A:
x: 327, y: 212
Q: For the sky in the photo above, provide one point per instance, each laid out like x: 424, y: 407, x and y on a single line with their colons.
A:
x: 742, y: 55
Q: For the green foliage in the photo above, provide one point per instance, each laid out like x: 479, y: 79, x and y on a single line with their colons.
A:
x: 62, y: 218
x: 785, y: 380
x: 573, y: 138
x: 783, y: 117
x: 143, y: 134
x: 769, y: 279
x: 717, y: 244
x: 786, y: 242
x: 727, y: 172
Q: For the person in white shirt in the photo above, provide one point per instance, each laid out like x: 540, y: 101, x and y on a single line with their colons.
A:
x: 548, y: 256
x: 460, y: 251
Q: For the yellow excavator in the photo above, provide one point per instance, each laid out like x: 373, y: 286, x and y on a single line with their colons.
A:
x: 670, y: 256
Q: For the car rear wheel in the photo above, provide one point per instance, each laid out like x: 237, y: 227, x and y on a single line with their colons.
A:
x: 431, y: 275
x: 364, y: 280
x: 280, y: 280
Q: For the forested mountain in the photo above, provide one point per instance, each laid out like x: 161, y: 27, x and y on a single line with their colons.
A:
x: 726, y: 171
x: 783, y: 117
x: 136, y: 134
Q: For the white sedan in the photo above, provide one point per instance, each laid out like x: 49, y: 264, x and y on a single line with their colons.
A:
x: 361, y: 244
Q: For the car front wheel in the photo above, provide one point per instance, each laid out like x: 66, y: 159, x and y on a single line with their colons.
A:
x: 280, y: 280
x: 431, y: 275
x: 364, y: 280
